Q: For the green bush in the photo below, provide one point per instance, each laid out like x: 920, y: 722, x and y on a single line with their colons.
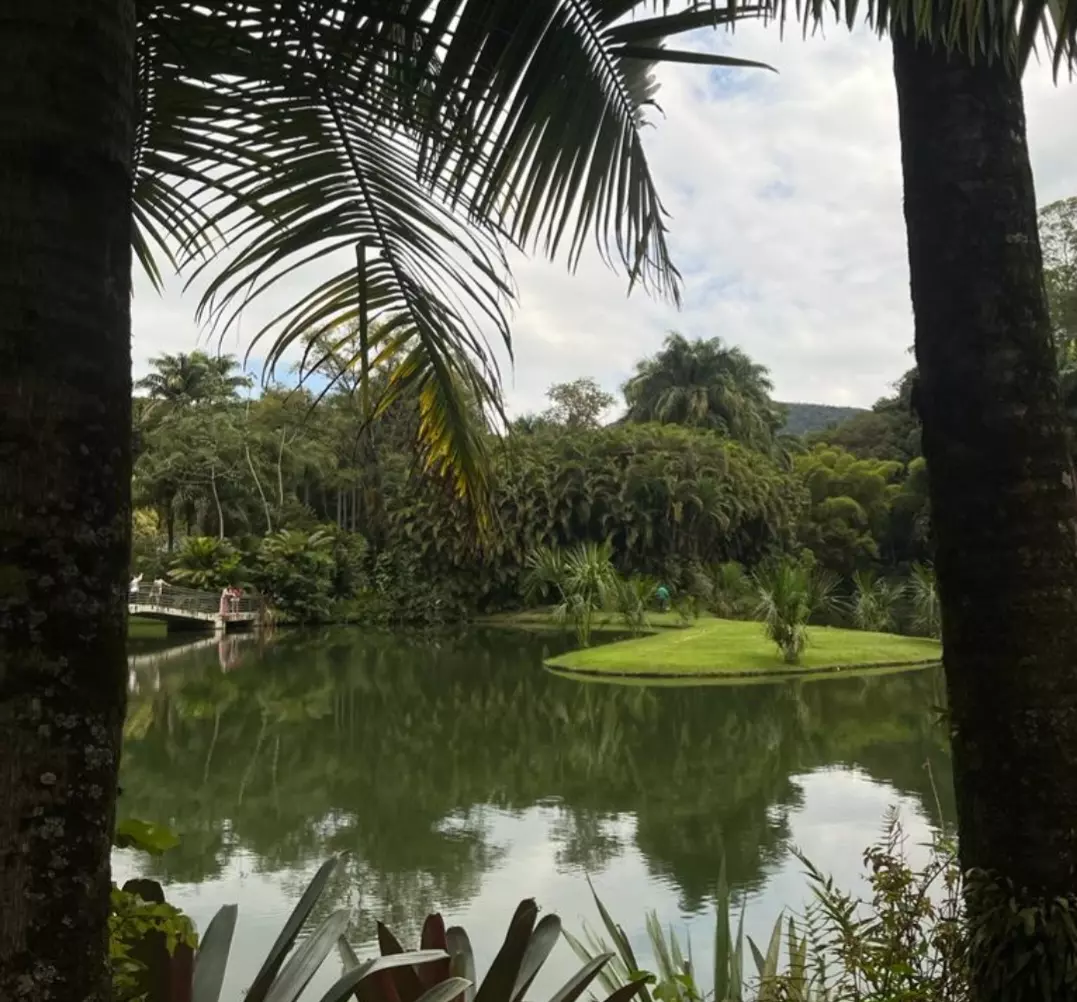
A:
x: 582, y: 581
x: 905, y: 943
x: 207, y: 563
x: 725, y: 589
x: 402, y: 591
x: 785, y: 606
x: 295, y: 573
x: 875, y: 602
x: 633, y: 597
x: 924, y: 598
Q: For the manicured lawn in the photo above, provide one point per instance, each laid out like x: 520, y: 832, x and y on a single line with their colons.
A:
x: 543, y: 619
x: 727, y: 647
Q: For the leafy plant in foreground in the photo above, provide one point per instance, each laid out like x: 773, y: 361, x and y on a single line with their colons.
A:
x: 170, y: 971
x: 527, y: 945
x: 675, y: 979
x: 906, y: 943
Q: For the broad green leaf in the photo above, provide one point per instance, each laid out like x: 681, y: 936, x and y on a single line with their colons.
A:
x: 543, y: 940
x: 287, y: 936
x: 296, y: 974
x: 211, y: 960
x: 502, y: 976
x: 133, y: 833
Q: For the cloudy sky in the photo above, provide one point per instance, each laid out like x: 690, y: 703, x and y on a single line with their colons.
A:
x: 784, y: 192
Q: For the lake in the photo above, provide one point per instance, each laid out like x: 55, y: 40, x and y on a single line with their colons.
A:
x: 452, y: 772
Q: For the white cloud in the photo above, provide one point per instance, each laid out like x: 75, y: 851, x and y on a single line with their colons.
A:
x: 784, y: 192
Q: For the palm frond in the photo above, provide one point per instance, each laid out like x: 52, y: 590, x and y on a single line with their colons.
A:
x: 1006, y: 33
x: 434, y: 132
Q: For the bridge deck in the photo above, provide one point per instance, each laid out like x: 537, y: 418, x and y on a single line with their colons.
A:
x: 185, y: 606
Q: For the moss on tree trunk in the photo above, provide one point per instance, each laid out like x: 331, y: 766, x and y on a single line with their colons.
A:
x: 1002, y: 495
x: 66, y: 135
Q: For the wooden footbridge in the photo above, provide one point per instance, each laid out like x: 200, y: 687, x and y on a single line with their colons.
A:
x: 185, y: 608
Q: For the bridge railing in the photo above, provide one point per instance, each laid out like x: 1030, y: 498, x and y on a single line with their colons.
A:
x: 169, y: 596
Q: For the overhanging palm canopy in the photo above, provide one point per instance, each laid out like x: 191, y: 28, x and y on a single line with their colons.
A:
x: 436, y: 133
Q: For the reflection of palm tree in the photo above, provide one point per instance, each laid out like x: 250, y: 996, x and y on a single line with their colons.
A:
x: 392, y: 749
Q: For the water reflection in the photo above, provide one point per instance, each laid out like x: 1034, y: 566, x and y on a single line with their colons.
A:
x: 420, y: 759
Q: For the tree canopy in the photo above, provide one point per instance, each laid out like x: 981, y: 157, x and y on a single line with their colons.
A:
x: 705, y: 384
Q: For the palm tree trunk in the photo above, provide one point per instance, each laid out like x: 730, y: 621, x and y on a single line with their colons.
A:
x: 261, y: 493
x: 66, y: 102
x: 1002, y: 496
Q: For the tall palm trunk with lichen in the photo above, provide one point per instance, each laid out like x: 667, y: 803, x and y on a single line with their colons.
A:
x: 1003, y: 508
x: 66, y: 138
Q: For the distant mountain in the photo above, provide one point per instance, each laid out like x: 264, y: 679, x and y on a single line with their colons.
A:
x: 804, y: 418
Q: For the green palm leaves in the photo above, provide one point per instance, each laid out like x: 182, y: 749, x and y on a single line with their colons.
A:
x: 583, y: 580
x: 789, y: 594
x: 705, y: 384
x: 277, y: 139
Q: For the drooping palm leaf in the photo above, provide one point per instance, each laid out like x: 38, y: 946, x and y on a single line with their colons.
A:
x: 278, y: 135
x: 995, y: 32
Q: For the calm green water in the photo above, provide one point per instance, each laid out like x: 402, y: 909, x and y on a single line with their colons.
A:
x: 455, y: 774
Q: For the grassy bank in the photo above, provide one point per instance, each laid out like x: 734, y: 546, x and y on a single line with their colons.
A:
x: 730, y: 648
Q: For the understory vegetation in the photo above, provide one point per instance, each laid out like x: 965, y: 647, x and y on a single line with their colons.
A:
x: 907, y: 940
x: 331, y: 520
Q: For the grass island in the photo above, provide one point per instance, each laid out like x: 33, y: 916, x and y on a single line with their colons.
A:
x: 725, y: 648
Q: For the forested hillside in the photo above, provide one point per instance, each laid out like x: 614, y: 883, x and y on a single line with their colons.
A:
x: 803, y: 418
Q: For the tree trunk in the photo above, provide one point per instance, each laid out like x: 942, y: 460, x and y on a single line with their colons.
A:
x: 217, y: 503
x: 66, y: 135
x: 280, y: 470
x: 261, y: 493
x: 1002, y: 504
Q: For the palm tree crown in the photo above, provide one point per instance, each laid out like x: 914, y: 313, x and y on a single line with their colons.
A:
x: 705, y: 384
x: 195, y: 378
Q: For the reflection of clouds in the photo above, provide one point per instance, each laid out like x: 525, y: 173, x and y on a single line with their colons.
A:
x: 840, y: 812
x: 731, y: 140
x: 464, y: 779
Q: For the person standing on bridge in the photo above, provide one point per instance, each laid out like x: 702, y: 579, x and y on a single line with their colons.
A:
x: 136, y: 583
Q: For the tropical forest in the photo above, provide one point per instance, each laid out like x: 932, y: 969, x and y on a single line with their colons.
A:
x: 384, y: 615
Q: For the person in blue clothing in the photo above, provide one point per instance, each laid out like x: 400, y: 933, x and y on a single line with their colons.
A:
x: 662, y: 594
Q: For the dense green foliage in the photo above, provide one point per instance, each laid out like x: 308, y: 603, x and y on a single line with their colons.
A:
x: 257, y: 492
x: 666, y: 499
x: 705, y: 384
